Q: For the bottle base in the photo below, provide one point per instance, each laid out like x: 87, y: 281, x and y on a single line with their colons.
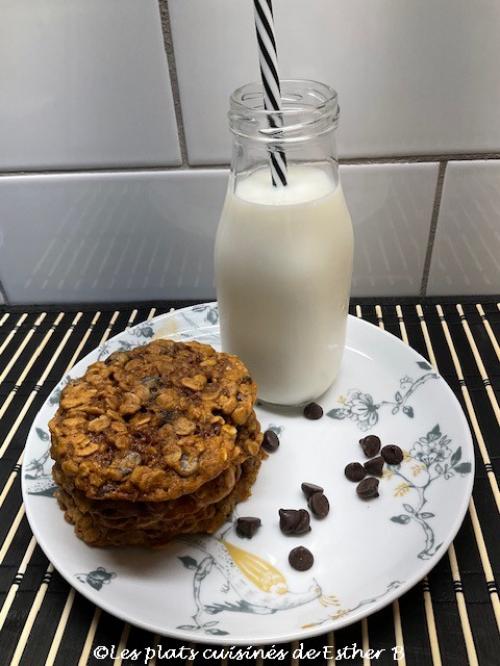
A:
x: 296, y: 404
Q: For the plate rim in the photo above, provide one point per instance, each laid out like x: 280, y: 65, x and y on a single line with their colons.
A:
x: 299, y: 634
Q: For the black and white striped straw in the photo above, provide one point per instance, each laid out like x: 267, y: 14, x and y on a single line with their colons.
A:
x: 268, y: 60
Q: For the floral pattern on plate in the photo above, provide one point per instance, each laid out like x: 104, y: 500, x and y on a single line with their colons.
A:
x: 37, y: 471
x: 247, y: 583
x: 430, y: 459
x: 96, y: 578
x: 361, y: 408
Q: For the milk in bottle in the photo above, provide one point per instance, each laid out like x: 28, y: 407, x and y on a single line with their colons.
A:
x: 283, y: 262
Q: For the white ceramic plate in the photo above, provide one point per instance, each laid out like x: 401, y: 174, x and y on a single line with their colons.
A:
x: 224, y: 589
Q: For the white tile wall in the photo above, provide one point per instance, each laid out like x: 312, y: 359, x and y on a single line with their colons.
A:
x: 391, y: 207
x: 133, y: 236
x: 414, y: 77
x: 84, y: 83
x: 105, y: 237
x: 466, y: 253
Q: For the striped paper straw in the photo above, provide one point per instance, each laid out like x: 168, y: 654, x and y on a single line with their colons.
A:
x: 268, y: 60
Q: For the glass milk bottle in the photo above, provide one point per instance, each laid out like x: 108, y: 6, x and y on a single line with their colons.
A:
x: 283, y: 254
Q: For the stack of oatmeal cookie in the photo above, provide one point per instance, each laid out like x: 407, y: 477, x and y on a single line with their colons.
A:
x: 155, y: 442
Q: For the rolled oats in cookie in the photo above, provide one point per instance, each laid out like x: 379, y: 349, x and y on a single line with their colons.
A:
x: 161, y: 428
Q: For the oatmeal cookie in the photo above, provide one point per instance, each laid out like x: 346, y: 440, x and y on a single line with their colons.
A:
x: 158, y: 531
x: 122, y: 513
x: 155, y: 423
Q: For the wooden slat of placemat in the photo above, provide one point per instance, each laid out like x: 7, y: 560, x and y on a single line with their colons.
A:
x: 12, y: 428
x: 454, y: 570
x: 454, y: 567
x: 395, y: 604
x: 479, y: 362
x: 73, y: 617
x: 18, y: 387
x: 70, y: 595
x: 487, y: 327
x: 475, y: 590
x: 431, y: 346
x: 65, y: 617
x: 393, y: 615
x: 422, y: 647
x: 12, y: 471
x: 454, y: 375
x: 440, y: 347
x: 428, y: 652
x: 478, y: 352
x: 17, y: 337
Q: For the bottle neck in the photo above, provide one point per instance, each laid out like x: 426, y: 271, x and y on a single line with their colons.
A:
x: 250, y: 156
x: 299, y: 133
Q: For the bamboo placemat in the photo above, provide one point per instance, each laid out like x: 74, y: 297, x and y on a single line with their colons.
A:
x: 451, y: 617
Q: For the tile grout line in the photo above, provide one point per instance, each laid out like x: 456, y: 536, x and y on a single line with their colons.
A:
x: 111, y: 169
x: 3, y: 295
x: 433, y: 226
x: 174, y: 81
x: 421, y: 157
x: 185, y: 166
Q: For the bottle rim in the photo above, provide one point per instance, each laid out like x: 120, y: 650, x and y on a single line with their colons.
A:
x: 308, y: 108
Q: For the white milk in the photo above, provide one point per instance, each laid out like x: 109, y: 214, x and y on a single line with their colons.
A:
x: 283, y: 262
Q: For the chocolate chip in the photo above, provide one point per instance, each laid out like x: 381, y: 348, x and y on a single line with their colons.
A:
x: 246, y: 526
x: 368, y: 488
x: 375, y: 466
x: 300, y: 558
x: 392, y: 454
x: 166, y: 416
x: 370, y: 445
x: 313, y: 411
x: 319, y: 505
x: 294, y: 521
x: 310, y: 488
x: 355, y: 471
x: 271, y: 441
